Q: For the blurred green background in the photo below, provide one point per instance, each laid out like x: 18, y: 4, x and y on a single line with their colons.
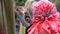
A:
x: 20, y: 2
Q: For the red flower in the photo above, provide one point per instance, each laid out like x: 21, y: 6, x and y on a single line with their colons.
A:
x: 45, y: 19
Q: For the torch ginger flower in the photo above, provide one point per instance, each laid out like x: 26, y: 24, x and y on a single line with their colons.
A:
x: 45, y: 19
